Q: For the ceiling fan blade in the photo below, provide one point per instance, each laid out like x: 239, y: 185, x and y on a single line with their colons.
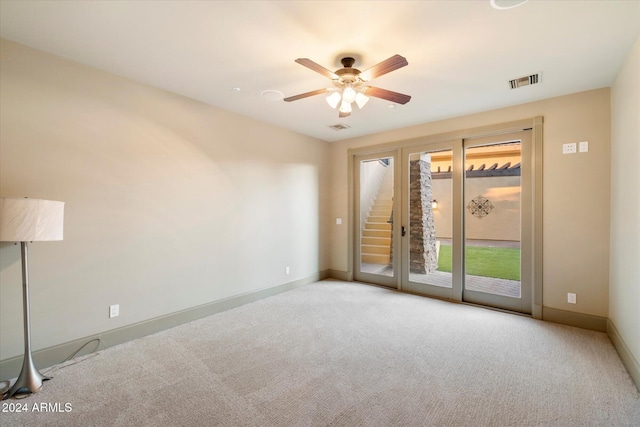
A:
x: 317, y: 68
x: 306, y: 95
x: 386, y: 66
x: 389, y: 95
x: 341, y: 114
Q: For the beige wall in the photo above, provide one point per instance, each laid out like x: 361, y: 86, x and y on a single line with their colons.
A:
x: 576, y: 193
x: 624, y: 290
x: 170, y: 203
x: 502, y: 223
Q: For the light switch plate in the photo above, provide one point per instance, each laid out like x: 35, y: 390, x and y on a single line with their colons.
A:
x: 114, y: 310
x: 583, y: 146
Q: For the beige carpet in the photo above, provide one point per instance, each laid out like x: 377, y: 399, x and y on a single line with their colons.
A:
x: 343, y: 354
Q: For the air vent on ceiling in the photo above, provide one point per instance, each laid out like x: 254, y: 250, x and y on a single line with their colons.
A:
x: 525, y: 81
x: 339, y: 126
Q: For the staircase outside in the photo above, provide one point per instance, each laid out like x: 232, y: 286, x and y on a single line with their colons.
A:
x: 376, y: 233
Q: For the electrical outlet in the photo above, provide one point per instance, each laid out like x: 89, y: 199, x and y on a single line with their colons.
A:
x: 571, y: 298
x: 114, y: 310
x: 286, y: 270
x: 569, y: 148
x: 339, y: 221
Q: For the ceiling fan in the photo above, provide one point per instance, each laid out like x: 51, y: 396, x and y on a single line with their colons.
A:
x: 350, y: 84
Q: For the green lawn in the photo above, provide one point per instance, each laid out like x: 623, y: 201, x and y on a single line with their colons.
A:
x: 502, y: 263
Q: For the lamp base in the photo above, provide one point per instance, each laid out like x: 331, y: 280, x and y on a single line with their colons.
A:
x: 30, y: 379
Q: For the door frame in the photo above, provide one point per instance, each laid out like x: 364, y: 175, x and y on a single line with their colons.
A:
x: 535, y: 124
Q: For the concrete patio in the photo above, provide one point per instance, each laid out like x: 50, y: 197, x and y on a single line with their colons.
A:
x: 492, y: 285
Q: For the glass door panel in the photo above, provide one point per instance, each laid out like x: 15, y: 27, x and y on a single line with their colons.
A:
x: 428, y: 226
x: 375, y: 216
x: 492, y: 219
x: 493, y: 213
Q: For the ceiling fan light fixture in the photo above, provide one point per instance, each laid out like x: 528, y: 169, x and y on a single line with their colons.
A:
x: 345, y: 107
x: 333, y: 99
x: 361, y: 99
x: 348, y: 94
x: 348, y: 84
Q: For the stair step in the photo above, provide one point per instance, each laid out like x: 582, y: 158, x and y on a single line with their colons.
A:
x: 376, y: 233
x: 375, y: 249
x: 376, y: 241
x: 377, y: 226
x: 382, y: 208
x: 375, y: 259
x: 380, y: 212
x: 383, y: 218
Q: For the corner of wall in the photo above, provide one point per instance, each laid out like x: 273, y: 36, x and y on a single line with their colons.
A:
x: 628, y: 359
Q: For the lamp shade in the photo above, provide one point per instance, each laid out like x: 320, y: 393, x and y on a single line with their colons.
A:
x: 30, y: 220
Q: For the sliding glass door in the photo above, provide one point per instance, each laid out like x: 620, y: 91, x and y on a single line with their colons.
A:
x: 450, y: 219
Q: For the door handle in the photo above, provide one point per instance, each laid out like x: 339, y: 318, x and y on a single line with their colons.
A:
x: 404, y: 231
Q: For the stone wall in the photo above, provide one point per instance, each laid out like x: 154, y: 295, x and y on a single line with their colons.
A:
x: 423, y: 258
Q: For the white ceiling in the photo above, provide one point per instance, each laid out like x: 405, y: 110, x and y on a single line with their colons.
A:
x: 461, y: 54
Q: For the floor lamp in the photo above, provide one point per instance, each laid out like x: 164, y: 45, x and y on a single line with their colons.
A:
x: 29, y: 220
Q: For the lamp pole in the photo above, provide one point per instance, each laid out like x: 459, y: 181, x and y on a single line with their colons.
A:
x: 30, y: 378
